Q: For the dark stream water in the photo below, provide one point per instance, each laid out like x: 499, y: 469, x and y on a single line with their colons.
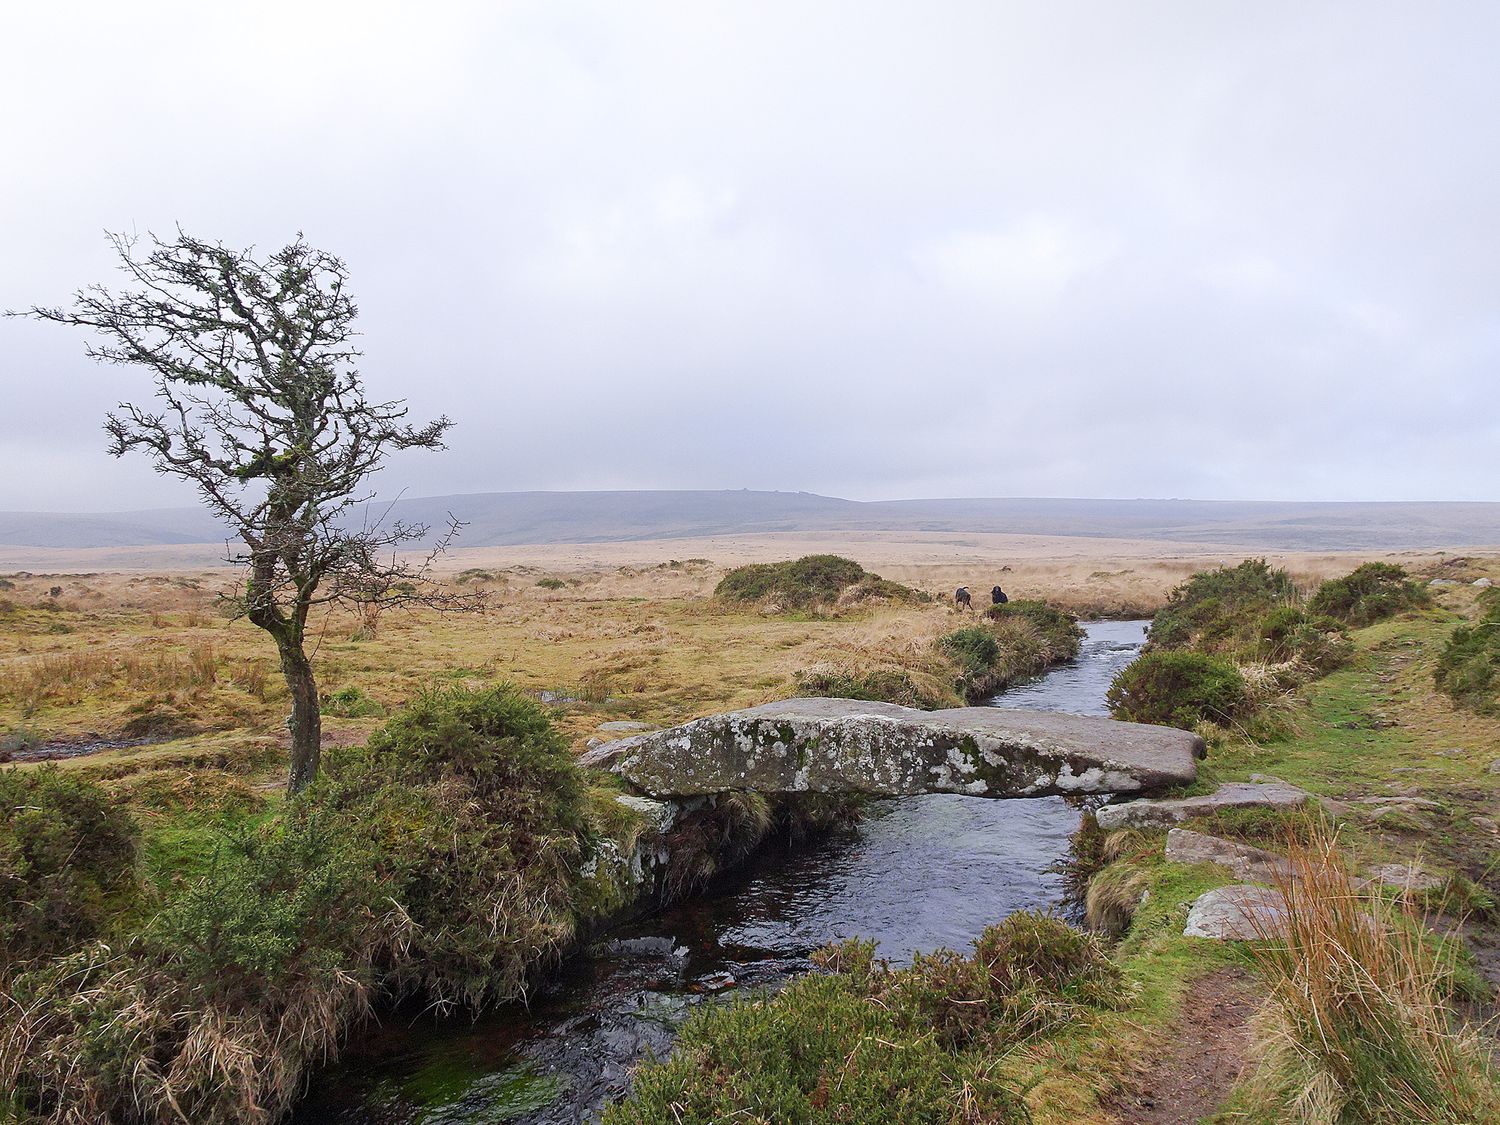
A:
x: 917, y: 874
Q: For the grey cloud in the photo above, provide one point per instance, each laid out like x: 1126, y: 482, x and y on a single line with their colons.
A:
x: 1163, y: 249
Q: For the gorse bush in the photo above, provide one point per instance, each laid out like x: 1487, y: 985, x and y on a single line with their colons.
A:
x: 1468, y: 668
x: 67, y: 860
x: 880, y: 1046
x: 1290, y: 633
x: 1216, y: 610
x: 804, y: 581
x: 1179, y: 689
x: 1246, y: 642
x: 480, y: 797
x: 1371, y: 593
x: 441, y: 860
x: 810, y: 581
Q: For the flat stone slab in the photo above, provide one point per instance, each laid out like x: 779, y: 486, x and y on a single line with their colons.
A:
x: 1404, y: 877
x: 1238, y: 913
x: 882, y: 750
x: 1249, y: 864
x: 1158, y: 813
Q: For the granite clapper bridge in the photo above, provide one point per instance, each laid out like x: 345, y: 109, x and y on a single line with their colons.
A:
x: 882, y: 750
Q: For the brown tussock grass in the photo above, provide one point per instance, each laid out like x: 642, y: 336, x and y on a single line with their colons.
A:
x: 1358, y: 1025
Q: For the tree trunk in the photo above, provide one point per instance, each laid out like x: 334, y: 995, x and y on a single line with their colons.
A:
x: 305, y: 721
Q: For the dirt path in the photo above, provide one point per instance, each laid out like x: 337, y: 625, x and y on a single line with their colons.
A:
x: 1205, y: 1053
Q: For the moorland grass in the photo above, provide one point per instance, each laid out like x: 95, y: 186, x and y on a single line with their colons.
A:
x: 1357, y: 1026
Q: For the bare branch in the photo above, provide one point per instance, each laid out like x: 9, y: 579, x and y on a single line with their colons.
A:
x: 262, y: 409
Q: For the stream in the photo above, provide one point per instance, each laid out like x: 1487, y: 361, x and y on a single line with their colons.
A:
x: 917, y: 874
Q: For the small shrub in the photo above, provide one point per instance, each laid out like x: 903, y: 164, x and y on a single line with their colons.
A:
x: 975, y: 649
x: 67, y: 858
x: 551, y: 583
x: 351, y: 703
x: 471, y: 574
x: 1290, y: 633
x: 1468, y: 668
x: 1178, y: 689
x: 1369, y: 594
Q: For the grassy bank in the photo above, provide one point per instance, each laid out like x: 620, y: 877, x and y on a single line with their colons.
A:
x: 444, y: 859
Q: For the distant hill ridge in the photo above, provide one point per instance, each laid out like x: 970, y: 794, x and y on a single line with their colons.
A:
x: 497, y: 519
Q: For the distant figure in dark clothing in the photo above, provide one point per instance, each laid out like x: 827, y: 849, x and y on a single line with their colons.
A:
x: 997, y: 596
x: 961, y: 598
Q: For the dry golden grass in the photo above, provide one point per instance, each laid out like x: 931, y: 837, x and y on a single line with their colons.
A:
x: 631, y: 632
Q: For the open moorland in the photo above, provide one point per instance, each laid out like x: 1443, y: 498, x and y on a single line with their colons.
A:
x: 138, y: 684
x: 145, y: 653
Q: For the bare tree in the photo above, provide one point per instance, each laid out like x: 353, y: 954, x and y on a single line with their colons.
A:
x: 261, y: 407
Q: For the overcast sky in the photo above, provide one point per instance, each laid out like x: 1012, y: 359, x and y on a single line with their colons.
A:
x: 870, y: 250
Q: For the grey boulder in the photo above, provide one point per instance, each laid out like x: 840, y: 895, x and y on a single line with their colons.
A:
x: 1248, y: 863
x: 1238, y: 913
x: 1404, y: 877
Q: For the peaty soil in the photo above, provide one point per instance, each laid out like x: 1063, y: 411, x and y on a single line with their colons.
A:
x: 1204, y: 1054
